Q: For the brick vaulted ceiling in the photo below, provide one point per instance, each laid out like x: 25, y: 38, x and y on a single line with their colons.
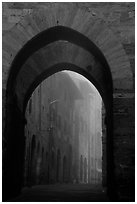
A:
x: 63, y: 50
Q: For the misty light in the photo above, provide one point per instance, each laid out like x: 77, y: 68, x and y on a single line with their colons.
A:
x: 64, y: 129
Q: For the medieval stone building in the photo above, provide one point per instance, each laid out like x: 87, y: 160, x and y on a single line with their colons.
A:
x: 94, y: 39
x: 63, y: 142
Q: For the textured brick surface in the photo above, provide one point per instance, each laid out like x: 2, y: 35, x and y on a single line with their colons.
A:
x: 104, y: 19
x: 111, y: 26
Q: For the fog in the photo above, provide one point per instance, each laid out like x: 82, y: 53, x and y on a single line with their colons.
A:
x: 64, y: 132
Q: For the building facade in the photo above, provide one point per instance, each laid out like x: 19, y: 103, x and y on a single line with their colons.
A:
x: 97, y: 39
x: 62, y: 140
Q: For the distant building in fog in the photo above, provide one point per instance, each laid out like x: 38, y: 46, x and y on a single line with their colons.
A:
x: 90, y: 132
x: 63, y: 132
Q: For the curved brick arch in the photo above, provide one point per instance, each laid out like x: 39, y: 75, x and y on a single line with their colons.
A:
x: 54, y: 55
x: 92, y: 27
x: 57, y: 68
x: 29, y: 22
x: 46, y: 38
x: 28, y: 31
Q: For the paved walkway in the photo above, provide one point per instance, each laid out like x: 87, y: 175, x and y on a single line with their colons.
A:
x: 62, y: 193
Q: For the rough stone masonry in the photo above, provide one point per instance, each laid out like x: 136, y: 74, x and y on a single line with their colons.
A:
x: 111, y: 26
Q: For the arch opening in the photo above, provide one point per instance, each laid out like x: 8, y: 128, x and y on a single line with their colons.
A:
x: 69, y: 116
x: 13, y: 102
x: 51, y: 35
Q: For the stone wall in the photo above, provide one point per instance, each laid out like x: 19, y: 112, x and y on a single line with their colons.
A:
x: 111, y: 26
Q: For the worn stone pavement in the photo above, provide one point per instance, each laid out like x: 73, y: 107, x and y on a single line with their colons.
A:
x: 62, y: 192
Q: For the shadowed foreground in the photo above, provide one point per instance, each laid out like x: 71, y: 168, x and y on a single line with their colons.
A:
x: 62, y: 192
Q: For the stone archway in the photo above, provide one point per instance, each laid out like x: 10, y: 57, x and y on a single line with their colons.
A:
x: 18, y: 95
x: 21, y: 90
x: 70, y: 16
x: 97, y: 43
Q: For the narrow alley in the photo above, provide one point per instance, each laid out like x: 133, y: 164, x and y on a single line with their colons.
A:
x: 68, y: 101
